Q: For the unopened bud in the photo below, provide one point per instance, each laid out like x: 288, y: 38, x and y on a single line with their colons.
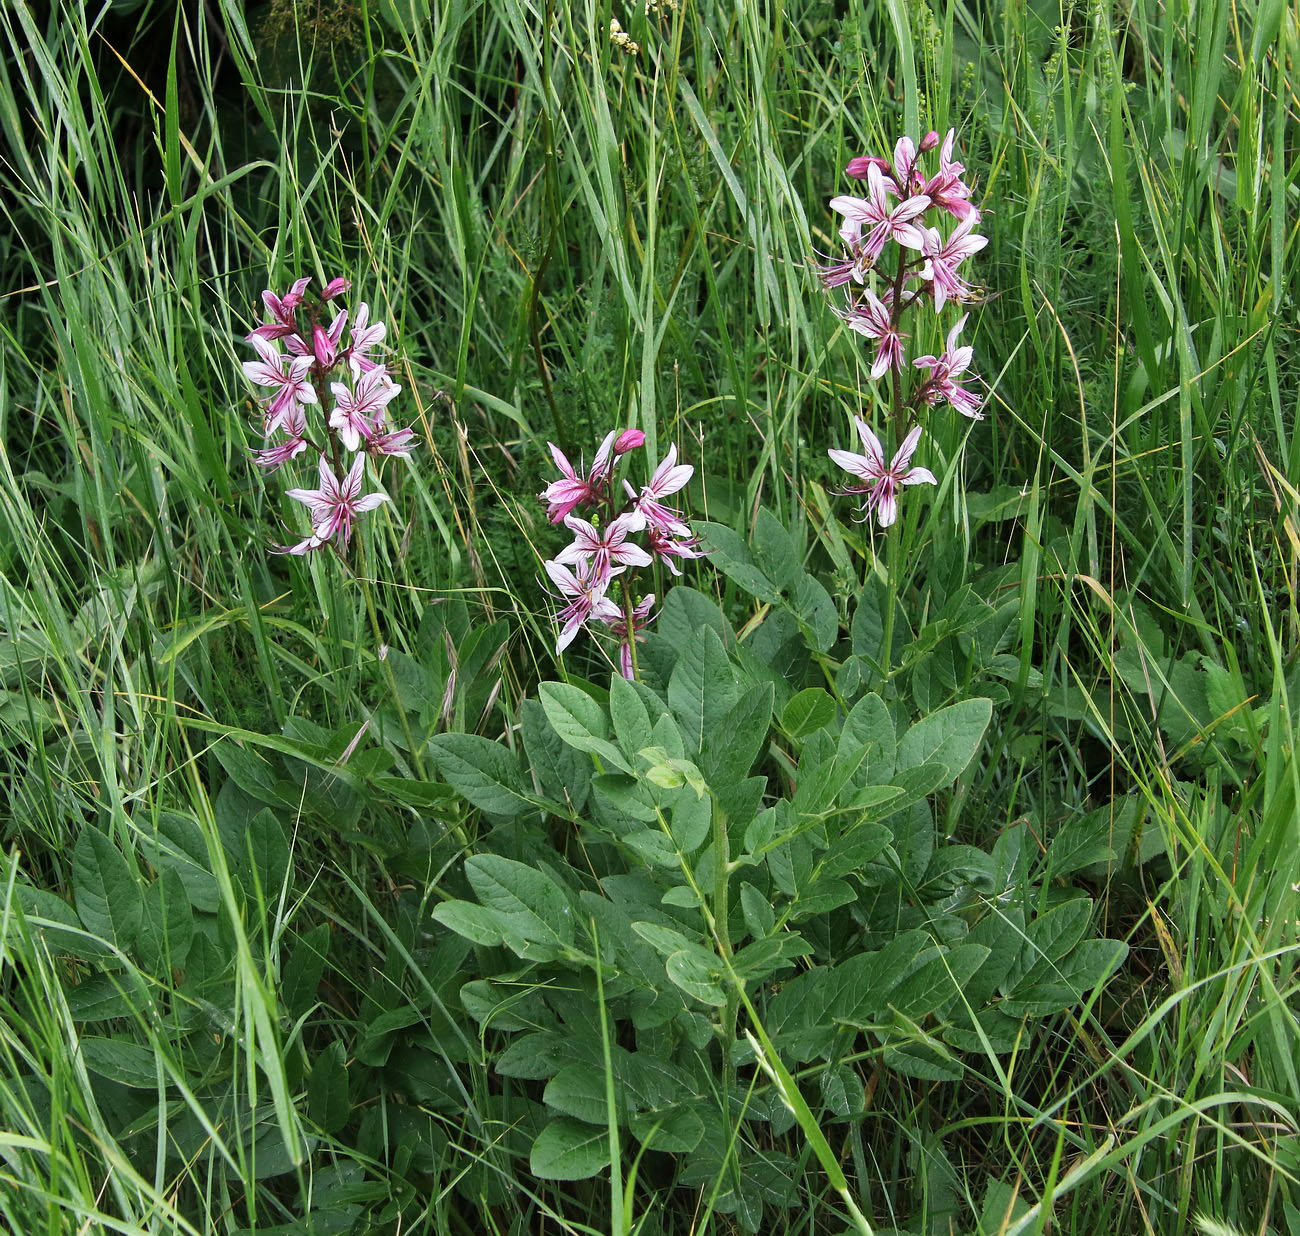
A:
x: 857, y: 168
x: 929, y: 141
x: 628, y: 440
x: 324, y: 349
x: 335, y: 287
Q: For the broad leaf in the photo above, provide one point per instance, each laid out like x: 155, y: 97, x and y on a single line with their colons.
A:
x: 950, y: 736
x: 580, y: 721
x: 567, y: 1150
x: 484, y: 772
x: 106, y: 890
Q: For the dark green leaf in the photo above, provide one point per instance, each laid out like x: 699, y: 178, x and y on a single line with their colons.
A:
x: 580, y: 722
x: 327, y: 1091
x: 950, y: 736
x: 810, y: 710
x: 484, y: 772
x: 106, y: 890
x: 567, y: 1150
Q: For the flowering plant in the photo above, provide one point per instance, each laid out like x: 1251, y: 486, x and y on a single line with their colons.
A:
x: 900, y: 205
x: 304, y: 363
x: 602, y: 549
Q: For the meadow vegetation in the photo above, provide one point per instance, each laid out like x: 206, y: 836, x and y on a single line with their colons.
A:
x: 936, y: 879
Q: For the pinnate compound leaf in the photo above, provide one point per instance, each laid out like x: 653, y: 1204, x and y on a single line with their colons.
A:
x: 483, y: 772
x: 950, y: 736
x: 568, y: 1150
x: 107, y: 892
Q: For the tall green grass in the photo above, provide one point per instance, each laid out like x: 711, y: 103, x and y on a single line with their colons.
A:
x: 564, y: 239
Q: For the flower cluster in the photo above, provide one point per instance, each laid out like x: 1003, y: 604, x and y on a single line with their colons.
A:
x: 603, y: 548
x: 904, y: 207
x: 308, y: 358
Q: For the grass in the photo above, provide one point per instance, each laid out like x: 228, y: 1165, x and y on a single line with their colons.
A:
x: 564, y: 238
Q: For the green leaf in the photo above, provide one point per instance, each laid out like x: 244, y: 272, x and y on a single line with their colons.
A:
x: 106, y: 890
x: 121, y: 1061
x: 732, y: 556
x: 474, y: 922
x: 563, y: 773
x: 166, y: 925
x: 567, y: 1150
x: 950, y: 736
x: 675, y: 1131
x: 936, y: 982
x: 327, y: 1091
x: 870, y: 727
x: 812, y: 709
x: 530, y: 899
x: 1052, y: 986
x: 775, y: 551
x: 580, y: 721
x: 578, y: 1090
x: 177, y: 844
x: 103, y: 997
x: 268, y: 855
x: 760, y: 918
x: 300, y: 979
x: 691, y: 820
x: 730, y: 747
x: 483, y: 772
x: 702, y: 688
x: 631, y: 718
x: 816, y: 612
x: 696, y: 978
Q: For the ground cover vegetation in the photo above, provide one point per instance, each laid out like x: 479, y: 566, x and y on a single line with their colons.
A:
x: 604, y: 802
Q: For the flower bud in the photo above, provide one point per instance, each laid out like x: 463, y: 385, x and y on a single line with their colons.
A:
x: 628, y: 440
x: 335, y: 287
x: 929, y: 141
x: 323, y: 347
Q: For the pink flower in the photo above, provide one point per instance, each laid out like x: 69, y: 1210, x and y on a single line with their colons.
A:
x: 872, y: 317
x: 857, y: 167
x: 885, y: 222
x: 282, y: 311
x: 601, y: 549
x: 668, y: 478
x: 365, y: 336
x: 628, y: 440
x: 945, y: 370
x: 273, y: 457
x: 335, y: 287
x: 288, y: 380
x: 942, y: 257
x: 946, y: 189
x: 294, y: 426
x: 880, y: 483
x: 334, y: 505
x: 358, y: 413
x: 585, y: 594
x: 392, y: 442
x: 666, y: 547
x: 572, y: 490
